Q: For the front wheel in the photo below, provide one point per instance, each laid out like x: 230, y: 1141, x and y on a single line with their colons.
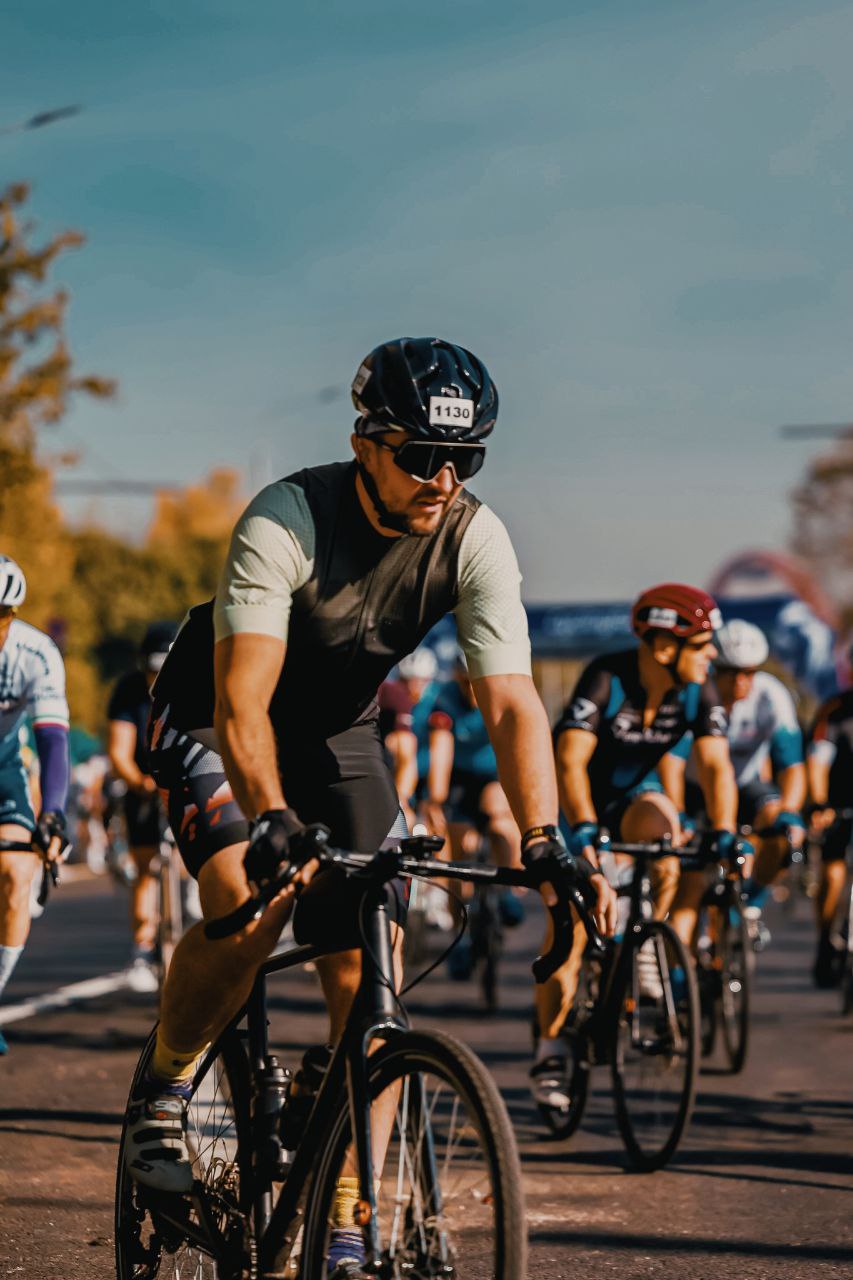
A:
x: 655, y: 1046
x: 450, y: 1201
x: 203, y: 1236
x: 736, y: 962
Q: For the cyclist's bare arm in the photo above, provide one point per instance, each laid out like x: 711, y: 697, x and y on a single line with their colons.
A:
x: 246, y: 670
x: 575, y: 748
x: 671, y: 771
x: 818, y: 776
x: 792, y: 786
x: 441, y: 752
x: 718, y: 781
x: 519, y: 732
x: 405, y: 753
x: 121, y: 747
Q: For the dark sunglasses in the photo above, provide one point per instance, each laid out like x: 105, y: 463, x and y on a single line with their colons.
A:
x: 423, y: 460
x: 734, y: 671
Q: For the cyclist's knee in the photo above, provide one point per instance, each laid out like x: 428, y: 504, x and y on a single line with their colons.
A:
x: 223, y: 887
x: 16, y: 875
x: 141, y: 856
x: 650, y: 817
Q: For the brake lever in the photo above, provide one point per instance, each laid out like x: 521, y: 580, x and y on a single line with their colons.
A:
x: 251, y: 909
x: 545, y: 966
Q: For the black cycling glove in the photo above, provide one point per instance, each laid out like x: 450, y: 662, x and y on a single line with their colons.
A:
x: 268, y: 854
x: 720, y: 845
x: 53, y: 823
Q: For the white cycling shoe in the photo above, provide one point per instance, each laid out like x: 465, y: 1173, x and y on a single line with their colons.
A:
x: 648, y: 971
x: 156, y: 1153
x: 549, y: 1083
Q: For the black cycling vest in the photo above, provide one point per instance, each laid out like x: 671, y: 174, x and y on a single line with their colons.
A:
x: 369, y: 601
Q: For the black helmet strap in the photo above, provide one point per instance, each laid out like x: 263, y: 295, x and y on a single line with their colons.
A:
x: 386, y: 518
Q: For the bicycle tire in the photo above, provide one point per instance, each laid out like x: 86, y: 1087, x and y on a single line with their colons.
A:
x: 652, y: 1130
x: 486, y: 943
x: 137, y: 1210
x: 736, y: 968
x: 847, y: 961
x: 564, y: 1124
x: 706, y: 979
x: 406, y: 1062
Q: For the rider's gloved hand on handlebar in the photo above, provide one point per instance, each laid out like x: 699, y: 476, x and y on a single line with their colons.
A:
x: 270, y: 845
x: 52, y: 829
x: 543, y: 848
x: 786, y: 822
x: 719, y: 846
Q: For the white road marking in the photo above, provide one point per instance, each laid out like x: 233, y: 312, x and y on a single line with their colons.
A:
x: 65, y: 996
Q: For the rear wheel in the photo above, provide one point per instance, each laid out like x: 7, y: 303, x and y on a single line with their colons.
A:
x: 563, y: 1122
x: 450, y: 1201
x: 847, y: 959
x: 204, y: 1236
x: 486, y: 942
x: 655, y: 1046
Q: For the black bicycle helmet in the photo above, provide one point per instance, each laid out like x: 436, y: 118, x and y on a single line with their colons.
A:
x: 156, y: 643
x: 434, y: 389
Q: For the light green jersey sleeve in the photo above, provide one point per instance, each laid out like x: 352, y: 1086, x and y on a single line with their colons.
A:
x: 490, y: 617
x: 271, y: 555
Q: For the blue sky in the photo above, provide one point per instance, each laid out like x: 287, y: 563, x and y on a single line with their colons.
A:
x: 638, y: 215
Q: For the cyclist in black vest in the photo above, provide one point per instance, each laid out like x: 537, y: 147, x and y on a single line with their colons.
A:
x: 265, y: 715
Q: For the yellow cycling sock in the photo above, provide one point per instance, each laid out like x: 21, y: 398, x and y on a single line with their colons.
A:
x: 170, y: 1065
x: 344, y: 1203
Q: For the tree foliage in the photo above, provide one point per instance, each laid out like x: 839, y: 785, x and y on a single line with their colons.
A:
x: 93, y: 590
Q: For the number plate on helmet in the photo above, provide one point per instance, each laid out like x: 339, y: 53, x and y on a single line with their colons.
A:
x: 450, y: 411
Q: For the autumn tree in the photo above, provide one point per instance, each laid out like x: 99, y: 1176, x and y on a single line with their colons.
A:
x: 823, y: 521
x: 96, y: 589
x: 192, y: 526
x: 37, y: 382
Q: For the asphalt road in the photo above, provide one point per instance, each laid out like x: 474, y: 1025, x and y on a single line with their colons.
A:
x: 761, y: 1187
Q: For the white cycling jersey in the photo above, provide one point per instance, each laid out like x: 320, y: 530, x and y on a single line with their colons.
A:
x: 32, y: 680
x: 762, y: 724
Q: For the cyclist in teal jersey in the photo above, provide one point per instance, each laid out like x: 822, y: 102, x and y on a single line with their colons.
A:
x: 32, y: 683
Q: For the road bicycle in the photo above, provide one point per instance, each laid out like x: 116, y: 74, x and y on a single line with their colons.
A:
x: 842, y: 931
x: 449, y: 1200
x: 636, y: 1011
x: 726, y: 962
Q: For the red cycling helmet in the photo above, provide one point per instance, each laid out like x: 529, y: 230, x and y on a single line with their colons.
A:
x: 673, y: 606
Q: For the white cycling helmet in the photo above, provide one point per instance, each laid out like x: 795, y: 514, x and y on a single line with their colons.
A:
x: 13, y: 584
x: 741, y: 645
x: 420, y: 665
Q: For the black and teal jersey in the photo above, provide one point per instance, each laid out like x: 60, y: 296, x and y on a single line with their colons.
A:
x: 609, y: 701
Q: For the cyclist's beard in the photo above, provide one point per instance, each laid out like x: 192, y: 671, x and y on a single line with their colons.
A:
x: 396, y: 520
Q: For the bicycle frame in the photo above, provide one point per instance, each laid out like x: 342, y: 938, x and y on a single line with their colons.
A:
x: 376, y: 1014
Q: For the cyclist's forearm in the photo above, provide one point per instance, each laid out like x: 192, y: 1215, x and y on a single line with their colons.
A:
x: 818, y: 781
x: 576, y: 794
x: 721, y: 796
x: 126, y: 768
x: 792, y: 785
x: 522, y: 742
x: 248, y: 748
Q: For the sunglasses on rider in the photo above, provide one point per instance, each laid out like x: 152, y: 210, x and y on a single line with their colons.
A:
x: 423, y: 460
